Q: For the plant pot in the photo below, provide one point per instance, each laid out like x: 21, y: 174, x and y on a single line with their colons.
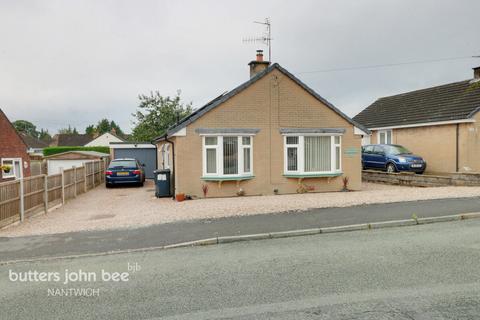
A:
x: 6, y: 170
x: 180, y: 197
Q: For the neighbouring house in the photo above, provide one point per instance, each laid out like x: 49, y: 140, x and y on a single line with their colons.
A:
x: 35, y: 151
x: 70, y: 140
x: 104, y: 140
x: 70, y: 159
x: 14, y: 158
x: 35, y: 146
x: 270, y: 135
x: 442, y: 124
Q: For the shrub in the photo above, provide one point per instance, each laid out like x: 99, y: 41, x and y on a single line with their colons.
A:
x: 54, y: 150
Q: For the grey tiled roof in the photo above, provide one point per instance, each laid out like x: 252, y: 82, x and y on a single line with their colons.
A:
x: 454, y: 101
x: 224, y: 97
x: 71, y: 140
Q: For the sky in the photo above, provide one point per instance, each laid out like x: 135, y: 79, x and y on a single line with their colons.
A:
x: 74, y: 62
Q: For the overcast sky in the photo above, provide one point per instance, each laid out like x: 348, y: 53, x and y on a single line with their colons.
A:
x: 74, y: 62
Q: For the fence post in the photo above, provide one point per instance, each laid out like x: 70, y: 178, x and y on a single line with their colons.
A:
x: 63, y: 185
x: 84, y: 177
x: 75, y: 181
x: 22, y: 200
x: 45, y: 194
x: 93, y: 174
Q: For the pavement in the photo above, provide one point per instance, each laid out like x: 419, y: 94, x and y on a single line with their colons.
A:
x: 77, y: 243
x: 420, y: 272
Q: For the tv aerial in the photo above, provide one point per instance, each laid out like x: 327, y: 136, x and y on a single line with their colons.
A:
x: 265, y: 39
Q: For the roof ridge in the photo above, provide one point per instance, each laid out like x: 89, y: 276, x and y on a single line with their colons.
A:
x: 224, y: 97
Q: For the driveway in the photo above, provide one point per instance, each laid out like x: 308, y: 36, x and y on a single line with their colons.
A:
x: 420, y: 272
x: 131, y: 207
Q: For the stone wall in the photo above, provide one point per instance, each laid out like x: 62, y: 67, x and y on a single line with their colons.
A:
x: 421, y: 180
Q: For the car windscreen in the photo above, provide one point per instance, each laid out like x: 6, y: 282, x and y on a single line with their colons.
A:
x: 122, y: 164
x: 394, y: 150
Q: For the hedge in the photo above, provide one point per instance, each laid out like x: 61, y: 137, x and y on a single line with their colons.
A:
x: 54, y: 150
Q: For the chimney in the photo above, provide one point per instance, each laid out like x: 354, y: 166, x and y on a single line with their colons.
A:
x: 258, y: 65
x: 476, y: 73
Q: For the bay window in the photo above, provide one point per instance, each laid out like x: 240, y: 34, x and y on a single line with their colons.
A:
x: 312, y: 154
x: 227, y: 156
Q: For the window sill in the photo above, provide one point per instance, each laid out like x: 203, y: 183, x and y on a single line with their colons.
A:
x: 236, y: 178
x: 312, y: 175
x: 220, y: 180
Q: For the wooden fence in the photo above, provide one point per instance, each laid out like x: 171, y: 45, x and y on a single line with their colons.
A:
x: 24, y: 197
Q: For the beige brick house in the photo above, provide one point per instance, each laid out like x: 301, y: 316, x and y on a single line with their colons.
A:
x: 441, y: 124
x: 270, y: 135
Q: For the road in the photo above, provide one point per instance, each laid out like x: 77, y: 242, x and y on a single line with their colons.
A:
x: 419, y: 272
x: 171, y: 233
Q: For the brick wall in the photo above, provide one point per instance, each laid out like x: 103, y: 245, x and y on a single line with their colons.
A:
x: 271, y: 103
x: 12, y: 146
x: 421, y: 180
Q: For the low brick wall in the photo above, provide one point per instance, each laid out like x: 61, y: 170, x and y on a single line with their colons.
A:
x: 421, y: 180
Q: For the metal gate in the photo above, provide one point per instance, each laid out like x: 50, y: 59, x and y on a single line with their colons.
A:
x: 147, y: 156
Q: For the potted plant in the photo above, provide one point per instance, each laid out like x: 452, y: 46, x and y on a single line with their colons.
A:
x: 345, y: 184
x: 6, y: 168
x: 205, y: 190
x: 180, y: 197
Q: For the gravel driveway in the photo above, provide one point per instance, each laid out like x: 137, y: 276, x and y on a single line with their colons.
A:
x: 133, y: 207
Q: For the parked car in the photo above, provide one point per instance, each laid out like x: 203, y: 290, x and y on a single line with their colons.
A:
x: 392, y: 158
x: 124, y: 171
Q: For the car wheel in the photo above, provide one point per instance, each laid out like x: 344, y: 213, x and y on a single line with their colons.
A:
x: 141, y: 184
x: 421, y: 172
x: 108, y: 185
x: 391, y: 168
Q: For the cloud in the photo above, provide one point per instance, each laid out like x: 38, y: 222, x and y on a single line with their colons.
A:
x: 75, y: 62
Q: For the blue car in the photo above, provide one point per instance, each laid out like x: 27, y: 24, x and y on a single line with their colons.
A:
x: 124, y: 171
x: 392, y: 158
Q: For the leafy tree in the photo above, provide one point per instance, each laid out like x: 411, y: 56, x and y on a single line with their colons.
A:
x: 90, y: 130
x: 102, y: 127
x: 44, y: 135
x: 156, y: 114
x: 68, y: 130
x: 26, y: 127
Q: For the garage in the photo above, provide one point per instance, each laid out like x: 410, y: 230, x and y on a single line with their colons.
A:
x: 145, y: 153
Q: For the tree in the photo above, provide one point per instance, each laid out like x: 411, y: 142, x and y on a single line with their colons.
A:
x: 102, y: 127
x: 156, y: 114
x: 68, y: 130
x: 90, y: 130
x: 26, y: 127
x: 44, y: 135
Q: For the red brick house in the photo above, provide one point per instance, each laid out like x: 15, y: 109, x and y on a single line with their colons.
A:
x: 13, y: 152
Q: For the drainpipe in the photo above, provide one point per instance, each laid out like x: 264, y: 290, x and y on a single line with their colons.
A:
x: 172, y: 176
x: 457, y: 148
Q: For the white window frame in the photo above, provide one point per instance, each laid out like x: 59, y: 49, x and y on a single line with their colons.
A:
x: 166, y: 156
x: 385, y: 132
x: 13, y: 173
x: 219, y: 155
x: 301, y: 154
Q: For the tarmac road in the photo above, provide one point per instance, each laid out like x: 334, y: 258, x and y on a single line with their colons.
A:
x: 420, y: 272
x: 164, y: 234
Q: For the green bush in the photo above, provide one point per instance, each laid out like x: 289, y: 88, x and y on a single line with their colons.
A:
x: 54, y: 150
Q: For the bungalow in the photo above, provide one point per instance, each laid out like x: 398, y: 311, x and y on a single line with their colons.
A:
x: 104, y: 140
x: 270, y: 135
x: 442, y: 124
x: 14, y: 159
